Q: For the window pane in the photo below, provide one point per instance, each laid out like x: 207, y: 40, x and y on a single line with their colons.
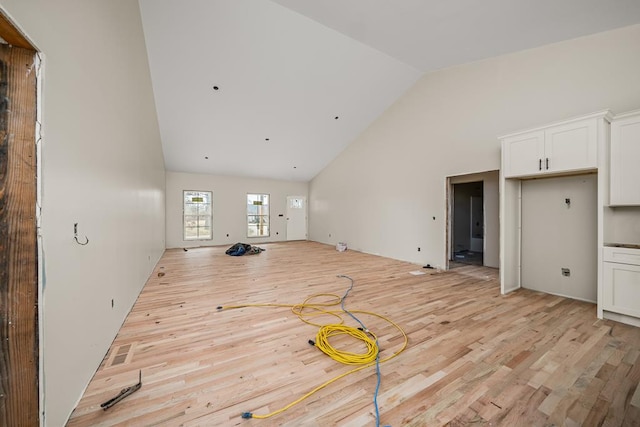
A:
x: 204, y: 232
x: 190, y: 233
x: 204, y: 209
x: 190, y: 220
x: 190, y: 209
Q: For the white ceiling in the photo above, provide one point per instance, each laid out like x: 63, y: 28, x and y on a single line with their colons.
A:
x: 285, y: 69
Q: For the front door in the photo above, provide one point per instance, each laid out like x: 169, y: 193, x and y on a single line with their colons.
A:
x: 296, y: 218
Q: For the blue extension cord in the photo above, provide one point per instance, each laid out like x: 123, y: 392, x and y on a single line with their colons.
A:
x: 365, y: 329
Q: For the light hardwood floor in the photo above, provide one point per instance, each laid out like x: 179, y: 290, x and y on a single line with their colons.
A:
x: 474, y: 357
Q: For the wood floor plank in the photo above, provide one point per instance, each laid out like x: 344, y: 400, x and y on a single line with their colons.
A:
x: 474, y: 357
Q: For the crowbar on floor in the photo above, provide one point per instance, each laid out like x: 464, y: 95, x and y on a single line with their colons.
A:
x: 123, y: 393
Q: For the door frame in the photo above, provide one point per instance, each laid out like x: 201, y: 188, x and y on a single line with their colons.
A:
x: 463, y: 179
x: 20, y: 252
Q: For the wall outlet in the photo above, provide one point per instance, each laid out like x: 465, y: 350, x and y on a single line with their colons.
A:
x: 418, y: 248
x: 566, y: 272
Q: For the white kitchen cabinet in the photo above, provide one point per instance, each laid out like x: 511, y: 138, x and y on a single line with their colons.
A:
x: 624, y: 168
x: 621, y: 281
x: 564, y: 147
x: 569, y: 147
x: 523, y: 154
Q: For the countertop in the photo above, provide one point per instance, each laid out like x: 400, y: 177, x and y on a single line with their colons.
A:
x: 623, y: 245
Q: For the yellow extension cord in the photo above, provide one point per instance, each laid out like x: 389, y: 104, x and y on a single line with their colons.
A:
x: 307, y: 311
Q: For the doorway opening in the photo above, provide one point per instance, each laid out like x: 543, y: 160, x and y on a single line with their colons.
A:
x: 473, y: 236
x: 467, y: 224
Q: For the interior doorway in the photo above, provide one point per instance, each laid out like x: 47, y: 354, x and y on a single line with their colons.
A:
x: 467, y: 226
x: 473, y: 235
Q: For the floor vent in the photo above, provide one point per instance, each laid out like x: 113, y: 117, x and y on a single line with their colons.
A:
x: 121, y: 355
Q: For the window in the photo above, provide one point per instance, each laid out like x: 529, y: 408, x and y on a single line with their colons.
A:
x: 257, y: 215
x: 197, y: 215
x: 295, y: 203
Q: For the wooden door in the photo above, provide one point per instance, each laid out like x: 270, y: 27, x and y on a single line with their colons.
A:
x: 19, y: 351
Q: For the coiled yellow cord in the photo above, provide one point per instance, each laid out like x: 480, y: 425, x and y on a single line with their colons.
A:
x: 346, y: 357
x: 308, y: 310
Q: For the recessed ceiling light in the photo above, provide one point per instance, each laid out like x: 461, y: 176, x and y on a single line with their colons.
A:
x: 216, y: 88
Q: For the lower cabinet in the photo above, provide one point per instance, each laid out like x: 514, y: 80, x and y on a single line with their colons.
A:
x: 621, y: 285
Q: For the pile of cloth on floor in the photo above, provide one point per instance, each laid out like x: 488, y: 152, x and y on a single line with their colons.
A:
x: 240, y: 249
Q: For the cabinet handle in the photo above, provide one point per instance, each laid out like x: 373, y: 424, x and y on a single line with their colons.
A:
x: 547, y: 162
x: 539, y: 164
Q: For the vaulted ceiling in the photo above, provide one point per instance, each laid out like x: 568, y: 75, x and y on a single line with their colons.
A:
x: 277, y: 89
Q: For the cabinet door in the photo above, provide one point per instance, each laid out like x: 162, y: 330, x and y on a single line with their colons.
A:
x: 625, y: 161
x: 621, y: 291
x: 523, y: 154
x: 571, y: 147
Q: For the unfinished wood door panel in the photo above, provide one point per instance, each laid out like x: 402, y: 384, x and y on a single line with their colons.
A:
x: 18, y: 243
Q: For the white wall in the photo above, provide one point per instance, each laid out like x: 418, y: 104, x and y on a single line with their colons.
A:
x: 102, y: 167
x: 229, y: 207
x: 491, y: 194
x: 382, y: 193
x: 556, y: 235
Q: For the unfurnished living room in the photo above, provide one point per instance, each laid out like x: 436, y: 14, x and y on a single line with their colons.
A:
x: 319, y: 213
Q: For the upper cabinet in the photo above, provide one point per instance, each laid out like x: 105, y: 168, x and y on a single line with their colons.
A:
x: 523, y: 154
x: 564, y: 147
x: 624, y: 168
